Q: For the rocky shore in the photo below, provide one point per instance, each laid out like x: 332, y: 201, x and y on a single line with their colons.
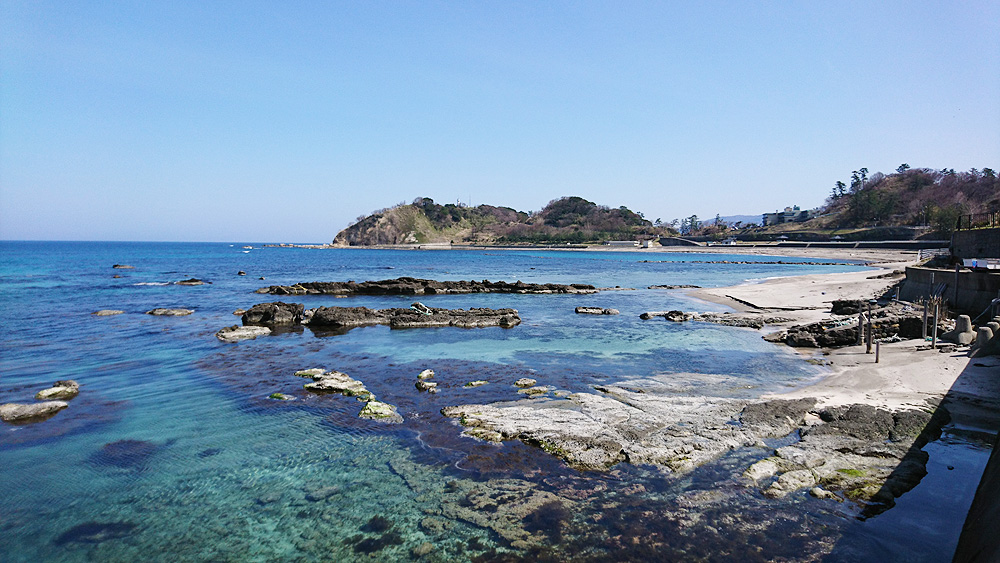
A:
x: 264, y: 317
x: 416, y: 286
x: 858, y: 452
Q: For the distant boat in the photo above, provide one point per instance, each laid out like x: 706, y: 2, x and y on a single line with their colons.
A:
x: 248, y: 247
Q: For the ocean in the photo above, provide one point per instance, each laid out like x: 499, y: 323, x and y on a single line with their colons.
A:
x: 173, y: 451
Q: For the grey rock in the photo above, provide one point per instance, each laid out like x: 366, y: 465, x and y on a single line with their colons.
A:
x: 108, y: 312
x: 191, y: 281
x: 34, y: 412
x: 526, y: 382
x: 274, y: 314
x: 381, y: 412
x: 596, y: 311
x: 790, y: 482
x: 337, y: 382
x: 236, y: 333
x: 416, y: 286
x: 160, y: 312
x: 423, y: 385
x: 67, y: 389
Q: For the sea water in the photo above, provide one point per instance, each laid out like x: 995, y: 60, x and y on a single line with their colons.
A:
x: 174, y: 450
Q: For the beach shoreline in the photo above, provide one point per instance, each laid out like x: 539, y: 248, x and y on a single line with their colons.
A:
x: 909, y: 373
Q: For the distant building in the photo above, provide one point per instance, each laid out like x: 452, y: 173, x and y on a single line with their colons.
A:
x: 789, y: 215
x: 632, y: 243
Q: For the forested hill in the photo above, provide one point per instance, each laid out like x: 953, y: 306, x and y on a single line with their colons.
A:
x: 565, y: 220
x: 912, y: 196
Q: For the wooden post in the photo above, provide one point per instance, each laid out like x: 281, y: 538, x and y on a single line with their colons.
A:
x: 955, y: 300
x: 878, y: 345
x: 861, y: 326
x: 868, y: 332
x: 923, y: 334
x: 937, y: 307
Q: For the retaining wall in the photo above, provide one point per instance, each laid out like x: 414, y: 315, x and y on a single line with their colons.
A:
x: 975, y: 289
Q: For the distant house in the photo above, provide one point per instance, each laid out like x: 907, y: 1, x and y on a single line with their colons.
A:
x: 632, y: 243
x: 789, y: 215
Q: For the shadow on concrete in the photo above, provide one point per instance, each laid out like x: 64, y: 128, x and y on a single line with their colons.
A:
x: 969, y: 416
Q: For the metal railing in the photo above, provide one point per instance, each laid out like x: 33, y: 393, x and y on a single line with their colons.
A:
x: 978, y: 221
x: 932, y: 252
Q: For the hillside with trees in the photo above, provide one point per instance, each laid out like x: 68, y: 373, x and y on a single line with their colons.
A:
x: 912, y: 197
x: 565, y: 220
x: 909, y: 203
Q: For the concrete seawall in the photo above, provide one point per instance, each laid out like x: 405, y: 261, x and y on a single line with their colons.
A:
x: 965, y: 290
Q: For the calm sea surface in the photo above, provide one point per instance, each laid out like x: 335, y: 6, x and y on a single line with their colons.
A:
x: 174, y: 452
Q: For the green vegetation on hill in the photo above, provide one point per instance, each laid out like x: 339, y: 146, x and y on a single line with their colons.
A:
x: 912, y: 197
x: 565, y: 220
x: 910, y: 203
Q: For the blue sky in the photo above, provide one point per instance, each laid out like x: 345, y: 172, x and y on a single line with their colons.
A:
x: 284, y: 121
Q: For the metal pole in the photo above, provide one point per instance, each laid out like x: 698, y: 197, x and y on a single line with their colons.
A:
x: 878, y: 345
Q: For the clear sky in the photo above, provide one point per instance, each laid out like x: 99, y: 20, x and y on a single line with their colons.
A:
x: 284, y: 121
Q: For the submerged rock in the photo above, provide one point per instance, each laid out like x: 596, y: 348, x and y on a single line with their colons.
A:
x: 126, y: 454
x: 18, y: 413
x: 416, y: 286
x: 191, y: 281
x: 123, y: 267
x: 95, y: 532
x: 160, y: 312
x: 236, y: 333
x: 108, y: 312
x: 60, y: 390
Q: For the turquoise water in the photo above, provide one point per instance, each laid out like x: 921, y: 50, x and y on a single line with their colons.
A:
x: 173, y: 451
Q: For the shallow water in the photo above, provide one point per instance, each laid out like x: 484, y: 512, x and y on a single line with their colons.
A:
x: 173, y: 451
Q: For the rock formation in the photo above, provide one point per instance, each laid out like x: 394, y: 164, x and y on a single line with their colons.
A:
x: 274, y: 314
x: 417, y: 316
x: 595, y: 311
x: 108, y: 312
x: 236, y: 333
x: 60, y: 390
x: 34, y: 412
x: 170, y: 312
x: 415, y: 286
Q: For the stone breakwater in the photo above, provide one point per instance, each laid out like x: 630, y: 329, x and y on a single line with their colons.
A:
x: 416, y: 286
x: 857, y: 452
x: 279, y: 314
